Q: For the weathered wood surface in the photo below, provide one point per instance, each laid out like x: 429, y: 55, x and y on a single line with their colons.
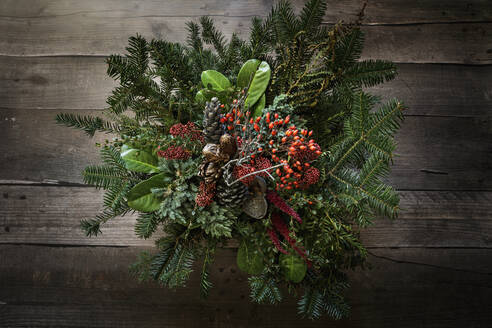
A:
x: 448, y: 152
x: 90, y: 287
x: 100, y: 36
x: 377, y: 11
x: 81, y: 83
x: 48, y: 28
x: 52, y: 214
x: 431, y: 267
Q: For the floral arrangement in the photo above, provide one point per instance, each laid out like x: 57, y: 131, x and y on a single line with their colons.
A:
x: 271, y: 142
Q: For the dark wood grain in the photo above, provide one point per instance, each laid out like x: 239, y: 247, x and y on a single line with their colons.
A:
x: 81, y: 287
x: 430, y: 268
x: 102, y: 32
x: 377, y: 11
x: 51, y: 215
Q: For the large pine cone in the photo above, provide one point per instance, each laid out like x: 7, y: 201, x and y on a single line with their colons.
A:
x: 210, y: 171
x: 232, y: 195
x: 212, y: 128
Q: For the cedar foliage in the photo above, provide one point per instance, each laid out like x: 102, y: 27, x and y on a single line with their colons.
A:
x: 318, y: 69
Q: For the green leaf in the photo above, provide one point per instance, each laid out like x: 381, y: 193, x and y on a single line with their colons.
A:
x: 247, y: 72
x: 204, y: 95
x: 293, y: 267
x: 258, y: 85
x: 141, y: 197
x: 249, y: 258
x: 200, y: 97
x: 258, y: 108
x: 214, y: 80
x: 137, y: 160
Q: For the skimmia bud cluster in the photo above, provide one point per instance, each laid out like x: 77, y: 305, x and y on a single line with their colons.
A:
x: 174, y: 152
x: 188, y: 130
x: 205, y: 194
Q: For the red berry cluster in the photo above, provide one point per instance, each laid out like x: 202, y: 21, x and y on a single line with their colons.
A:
x: 174, y: 152
x: 188, y: 130
x: 273, y: 140
x: 205, y: 194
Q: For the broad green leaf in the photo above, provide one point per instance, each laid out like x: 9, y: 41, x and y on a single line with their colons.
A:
x: 258, y: 85
x: 293, y: 267
x: 200, y: 97
x: 141, y: 197
x: 214, y: 80
x: 247, y: 72
x: 249, y: 258
x: 204, y: 95
x: 137, y: 160
x: 258, y: 108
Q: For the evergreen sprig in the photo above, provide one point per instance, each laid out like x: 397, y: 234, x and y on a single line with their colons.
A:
x: 317, y: 76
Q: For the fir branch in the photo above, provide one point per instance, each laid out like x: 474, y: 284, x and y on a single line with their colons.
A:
x: 210, y: 35
x: 311, y: 304
x: 205, y: 283
x: 88, y: 124
x: 102, y: 176
x: 311, y: 16
x: 264, y: 289
x: 146, y: 225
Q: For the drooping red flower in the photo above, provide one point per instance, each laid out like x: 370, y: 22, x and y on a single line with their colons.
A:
x: 205, y: 194
x: 282, y: 205
x: 174, y: 152
x: 276, y: 242
x: 282, y: 228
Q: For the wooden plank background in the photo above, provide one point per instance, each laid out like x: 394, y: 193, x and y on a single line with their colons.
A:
x: 430, y: 268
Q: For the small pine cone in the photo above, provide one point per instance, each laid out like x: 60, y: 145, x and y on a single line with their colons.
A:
x: 210, y: 172
x: 230, y: 195
x: 212, y: 129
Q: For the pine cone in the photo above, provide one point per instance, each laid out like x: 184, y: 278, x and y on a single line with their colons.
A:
x: 212, y: 128
x: 210, y: 171
x: 232, y: 195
